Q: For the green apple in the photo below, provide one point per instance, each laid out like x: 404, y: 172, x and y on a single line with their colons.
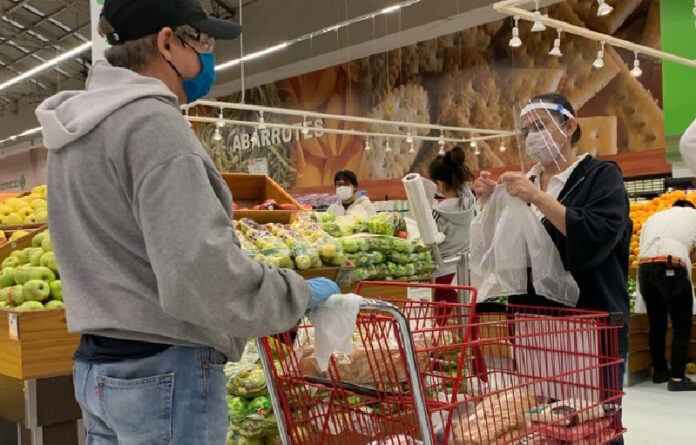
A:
x: 36, y: 241
x: 48, y: 259
x: 30, y: 306
x: 6, y: 280
x: 12, y: 295
x: 11, y: 261
x: 54, y: 304
x: 41, y: 215
x: 24, y: 274
x: 12, y: 219
x: 36, y: 290
x: 56, y: 290
x: 46, y: 244
x: 35, y: 256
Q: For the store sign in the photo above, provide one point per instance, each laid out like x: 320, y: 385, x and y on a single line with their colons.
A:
x: 275, y: 136
x: 258, y: 166
x: 15, y: 184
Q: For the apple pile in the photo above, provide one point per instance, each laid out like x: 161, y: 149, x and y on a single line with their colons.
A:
x: 29, y: 279
x: 300, y: 245
x: 25, y: 210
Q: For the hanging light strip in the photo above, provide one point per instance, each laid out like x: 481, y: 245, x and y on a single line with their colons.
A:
x: 299, y: 127
x: 366, y: 120
x: 510, y: 8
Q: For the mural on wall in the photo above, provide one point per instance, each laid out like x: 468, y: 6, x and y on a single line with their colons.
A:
x: 470, y: 78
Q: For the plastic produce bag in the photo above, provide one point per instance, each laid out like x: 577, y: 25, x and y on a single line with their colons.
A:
x: 506, y: 240
x: 334, y: 322
x: 245, y: 380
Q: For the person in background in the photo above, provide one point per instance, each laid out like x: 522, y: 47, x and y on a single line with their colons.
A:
x: 153, y: 275
x: 667, y: 241
x: 348, y: 202
x: 582, y: 204
x: 453, y: 214
x: 687, y: 147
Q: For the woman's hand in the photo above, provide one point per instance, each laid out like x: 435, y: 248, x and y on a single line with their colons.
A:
x: 483, y: 187
x: 519, y: 186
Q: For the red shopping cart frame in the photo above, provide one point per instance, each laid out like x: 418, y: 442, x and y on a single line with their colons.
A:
x: 481, y: 376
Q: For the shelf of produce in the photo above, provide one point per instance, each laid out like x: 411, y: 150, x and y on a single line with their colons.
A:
x: 22, y: 242
x: 252, y: 189
x: 342, y: 275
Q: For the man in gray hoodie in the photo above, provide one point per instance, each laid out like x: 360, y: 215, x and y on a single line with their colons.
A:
x: 152, y: 272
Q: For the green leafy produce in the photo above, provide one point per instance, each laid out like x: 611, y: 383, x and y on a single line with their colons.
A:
x: 323, y: 217
x: 246, y: 380
x: 260, y: 405
x: 236, y: 408
x: 383, y: 223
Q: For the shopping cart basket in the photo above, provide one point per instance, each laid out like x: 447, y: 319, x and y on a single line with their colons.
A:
x: 446, y: 373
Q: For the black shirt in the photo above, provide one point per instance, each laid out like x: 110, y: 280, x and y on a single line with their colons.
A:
x: 595, y: 248
x: 97, y: 349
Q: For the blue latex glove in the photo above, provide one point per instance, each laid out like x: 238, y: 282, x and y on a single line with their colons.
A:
x: 321, y: 289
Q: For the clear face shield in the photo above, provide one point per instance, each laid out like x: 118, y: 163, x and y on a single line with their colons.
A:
x: 542, y: 130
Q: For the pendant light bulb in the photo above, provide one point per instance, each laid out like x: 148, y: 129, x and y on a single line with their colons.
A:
x: 221, y: 120
x: 367, y: 144
x: 538, y: 25
x: 636, y: 71
x: 305, y: 127
x: 255, y: 138
x: 556, y: 50
x: 217, y: 136
x: 387, y: 148
x: 503, y: 148
x: 441, y: 140
x: 599, y: 62
x: 262, y: 121
x: 411, y: 150
x: 477, y: 151
x: 515, y: 41
x: 409, y: 138
x: 604, y: 9
x: 442, y: 150
x: 473, y: 144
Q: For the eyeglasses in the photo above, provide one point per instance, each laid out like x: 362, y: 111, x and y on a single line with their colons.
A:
x: 207, y: 42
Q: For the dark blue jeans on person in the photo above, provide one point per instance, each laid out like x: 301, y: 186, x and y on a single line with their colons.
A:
x: 177, y: 396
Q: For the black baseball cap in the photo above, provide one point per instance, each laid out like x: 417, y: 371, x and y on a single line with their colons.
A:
x: 133, y: 19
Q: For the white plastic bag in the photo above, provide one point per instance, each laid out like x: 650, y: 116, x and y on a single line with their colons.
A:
x: 334, y: 323
x: 506, y: 240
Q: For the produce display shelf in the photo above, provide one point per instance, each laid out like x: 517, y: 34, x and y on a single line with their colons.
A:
x: 254, y: 188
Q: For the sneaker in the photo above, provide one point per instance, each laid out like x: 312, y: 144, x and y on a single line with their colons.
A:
x: 660, y: 376
x: 685, y: 384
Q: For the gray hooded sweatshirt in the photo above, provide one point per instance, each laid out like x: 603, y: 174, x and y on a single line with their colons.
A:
x: 141, y: 227
x: 453, y: 217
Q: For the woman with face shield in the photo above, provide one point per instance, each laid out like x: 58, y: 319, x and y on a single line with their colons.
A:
x: 348, y: 202
x: 581, y: 203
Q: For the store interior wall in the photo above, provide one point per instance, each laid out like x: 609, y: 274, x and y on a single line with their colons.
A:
x: 20, y: 172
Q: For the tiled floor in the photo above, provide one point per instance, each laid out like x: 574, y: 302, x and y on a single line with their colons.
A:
x: 655, y: 416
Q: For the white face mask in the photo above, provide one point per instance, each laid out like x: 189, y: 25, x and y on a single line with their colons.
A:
x: 344, y: 192
x: 542, y: 147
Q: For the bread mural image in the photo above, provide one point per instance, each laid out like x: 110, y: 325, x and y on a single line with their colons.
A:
x: 471, y: 78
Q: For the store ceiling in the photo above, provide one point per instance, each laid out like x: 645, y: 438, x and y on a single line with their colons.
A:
x: 32, y: 31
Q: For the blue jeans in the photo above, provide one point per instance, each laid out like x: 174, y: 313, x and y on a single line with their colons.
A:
x: 175, y: 397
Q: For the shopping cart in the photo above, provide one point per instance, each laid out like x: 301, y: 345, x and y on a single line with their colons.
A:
x: 449, y: 373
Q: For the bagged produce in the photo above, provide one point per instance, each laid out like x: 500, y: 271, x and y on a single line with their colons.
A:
x: 384, y: 223
x: 245, y: 380
x: 366, y: 258
x: 330, y: 251
x: 322, y: 217
x: 236, y: 408
x: 278, y: 257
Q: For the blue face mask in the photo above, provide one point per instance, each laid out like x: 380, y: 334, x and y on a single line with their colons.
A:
x: 200, y: 85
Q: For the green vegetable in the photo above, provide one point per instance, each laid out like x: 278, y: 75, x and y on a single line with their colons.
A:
x: 236, y: 408
x: 260, y: 405
x: 249, y: 381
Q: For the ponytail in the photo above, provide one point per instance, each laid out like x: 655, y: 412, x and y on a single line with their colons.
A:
x: 451, y: 169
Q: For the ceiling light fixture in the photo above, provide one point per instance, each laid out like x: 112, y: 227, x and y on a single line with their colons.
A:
x: 221, y: 119
x: 441, y: 143
x: 556, y: 50
x: 473, y: 144
x: 409, y: 138
x: 604, y: 9
x: 477, y: 151
x: 387, y: 148
x: 538, y: 25
x: 515, y: 41
x: 636, y: 71
x: 367, y: 144
x: 503, y: 148
x: 46, y: 65
x: 412, y: 149
x: 217, y: 135
x: 390, y: 9
x: 305, y: 127
x: 262, y: 121
x: 599, y: 61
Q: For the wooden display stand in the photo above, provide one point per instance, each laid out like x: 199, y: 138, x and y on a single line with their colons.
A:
x: 37, y: 402
x: 251, y: 189
x: 639, y: 362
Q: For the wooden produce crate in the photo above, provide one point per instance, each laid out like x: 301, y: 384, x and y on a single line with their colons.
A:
x: 36, y: 344
x: 8, y: 229
x: 342, y: 275
x: 251, y: 189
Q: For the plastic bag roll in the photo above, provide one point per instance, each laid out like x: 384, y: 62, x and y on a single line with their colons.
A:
x: 421, y: 201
